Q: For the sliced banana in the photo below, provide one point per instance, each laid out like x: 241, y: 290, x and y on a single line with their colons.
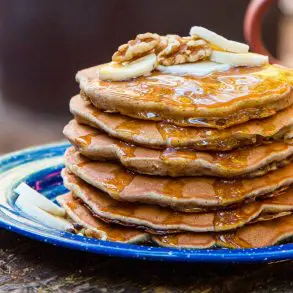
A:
x: 119, y: 72
x: 40, y: 201
x: 198, y: 69
x: 42, y: 216
x: 234, y: 59
x: 219, y: 41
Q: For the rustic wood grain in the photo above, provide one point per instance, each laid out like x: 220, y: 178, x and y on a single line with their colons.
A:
x: 30, y: 266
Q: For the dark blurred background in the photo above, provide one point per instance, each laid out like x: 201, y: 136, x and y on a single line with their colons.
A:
x: 44, y: 42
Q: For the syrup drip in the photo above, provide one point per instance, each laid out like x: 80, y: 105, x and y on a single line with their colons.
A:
x: 228, y: 190
x: 230, y: 218
x: 232, y: 240
x: 117, y: 180
x: 85, y: 140
x: 128, y: 150
x: 130, y: 127
x: 174, y: 188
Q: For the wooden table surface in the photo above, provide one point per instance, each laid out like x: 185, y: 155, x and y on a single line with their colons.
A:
x: 30, y: 266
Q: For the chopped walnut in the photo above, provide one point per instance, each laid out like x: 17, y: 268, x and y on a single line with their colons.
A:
x: 176, y: 50
x: 170, y: 49
x: 142, y: 45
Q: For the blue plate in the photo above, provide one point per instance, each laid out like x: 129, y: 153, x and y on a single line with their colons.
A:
x: 40, y: 168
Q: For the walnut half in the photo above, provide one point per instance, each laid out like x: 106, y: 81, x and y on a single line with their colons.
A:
x: 177, y: 50
x: 142, y: 45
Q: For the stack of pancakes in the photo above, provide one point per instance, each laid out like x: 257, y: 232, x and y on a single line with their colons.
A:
x: 182, y: 161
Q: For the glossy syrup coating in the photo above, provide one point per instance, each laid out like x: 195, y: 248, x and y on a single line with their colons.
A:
x: 158, y: 219
x: 217, y: 100
x: 185, y: 193
x: 245, y: 162
x: 261, y: 234
x: 161, y: 135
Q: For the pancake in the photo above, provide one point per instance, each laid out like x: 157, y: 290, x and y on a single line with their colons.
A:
x: 250, y: 162
x: 185, y: 194
x: 248, y: 236
x: 157, y: 219
x: 217, y: 100
x: 95, y: 227
x: 251, y: 236
x: 160, y: 135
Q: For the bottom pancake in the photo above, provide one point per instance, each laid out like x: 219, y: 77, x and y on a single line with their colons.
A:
x: 251, y: 236
x: 95, y: 227
x: 255, y: 235
x: 156, y: 219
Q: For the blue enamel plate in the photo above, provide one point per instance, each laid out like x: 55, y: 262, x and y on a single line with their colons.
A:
x: 40, y: 168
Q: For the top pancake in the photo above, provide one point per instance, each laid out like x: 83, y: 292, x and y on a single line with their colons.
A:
x: 217, y: 100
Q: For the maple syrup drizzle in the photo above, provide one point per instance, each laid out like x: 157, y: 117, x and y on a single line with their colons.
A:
x: 226, y: 191
x: 198, y: 93
x: 208, y: 91
x: 117, y: 180
x: 85, y: 140
x: 174, y: 188
x: 234, y: 217
x: 167, y: 217
x: 130, y: 127
x: 203, y: 138
x: 231, y: 239
x: 127, y: 150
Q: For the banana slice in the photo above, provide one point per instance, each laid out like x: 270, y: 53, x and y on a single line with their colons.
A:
x: 234, y: 59
x: 219, y: 41
x: 119, y: 72
x: 40, y: 201
x: 41, y: 215
x: 198, y: 69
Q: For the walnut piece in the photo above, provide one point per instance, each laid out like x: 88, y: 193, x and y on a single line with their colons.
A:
x: 177, y: 50
x: 170, y: 49
x: 142, y: 45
